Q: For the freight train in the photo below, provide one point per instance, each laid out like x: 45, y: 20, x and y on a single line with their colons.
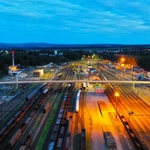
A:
x: 46, y: 108
x: 14, y: 121
x: 58, y: 137
x: 19, y: 132
x: 27, y: 143
x: 57, y: 130
x: 18, y: 116
x: 37, y: 91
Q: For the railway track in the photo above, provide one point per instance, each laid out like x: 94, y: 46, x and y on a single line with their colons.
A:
x: 23, y: 120
x: 35, y: 125
x: 130, y: 101
x: 9, y: 109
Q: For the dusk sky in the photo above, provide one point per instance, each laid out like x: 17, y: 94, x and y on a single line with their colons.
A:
x: 75, y: 21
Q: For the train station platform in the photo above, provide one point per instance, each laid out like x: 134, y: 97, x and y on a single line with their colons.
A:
x: 100, y: 116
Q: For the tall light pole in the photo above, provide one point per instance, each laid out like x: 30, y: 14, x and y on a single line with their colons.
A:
x: 13, y: 63
x: 122, y: 64
x: 116, y: 95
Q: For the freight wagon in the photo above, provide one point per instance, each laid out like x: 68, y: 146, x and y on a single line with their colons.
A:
x: 109, y: 140
x: 14, y: 139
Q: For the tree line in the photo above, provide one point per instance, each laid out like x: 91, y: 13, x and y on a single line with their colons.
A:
x: 26, y: 58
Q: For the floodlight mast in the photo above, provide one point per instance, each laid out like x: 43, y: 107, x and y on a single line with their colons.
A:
x: 13, y: 62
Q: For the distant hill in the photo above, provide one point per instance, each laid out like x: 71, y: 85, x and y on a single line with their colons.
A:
x: 56, y: 46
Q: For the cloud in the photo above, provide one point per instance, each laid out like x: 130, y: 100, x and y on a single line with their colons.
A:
x: 87, y: 17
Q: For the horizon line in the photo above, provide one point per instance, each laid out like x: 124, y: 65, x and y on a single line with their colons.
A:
x: 70, y: 43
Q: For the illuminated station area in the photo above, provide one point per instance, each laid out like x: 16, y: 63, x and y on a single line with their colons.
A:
x: 90, y: 115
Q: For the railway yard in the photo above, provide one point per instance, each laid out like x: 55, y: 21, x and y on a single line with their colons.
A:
x: 73, y: 116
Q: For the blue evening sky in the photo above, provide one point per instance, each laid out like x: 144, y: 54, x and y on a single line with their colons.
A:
x: 75, y: 21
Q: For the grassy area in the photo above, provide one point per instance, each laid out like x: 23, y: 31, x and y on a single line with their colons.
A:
x: 96, y: 85
x: 48, y: 125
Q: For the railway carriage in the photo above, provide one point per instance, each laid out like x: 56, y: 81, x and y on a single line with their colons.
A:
x: 59, y: 144
x: 46, y: 108
x: 14, y: 139
x: 77, y: 101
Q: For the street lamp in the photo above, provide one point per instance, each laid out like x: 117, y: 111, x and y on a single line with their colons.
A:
x: 122, y: 60
x: 123, y: 65
x: 116, y: 95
